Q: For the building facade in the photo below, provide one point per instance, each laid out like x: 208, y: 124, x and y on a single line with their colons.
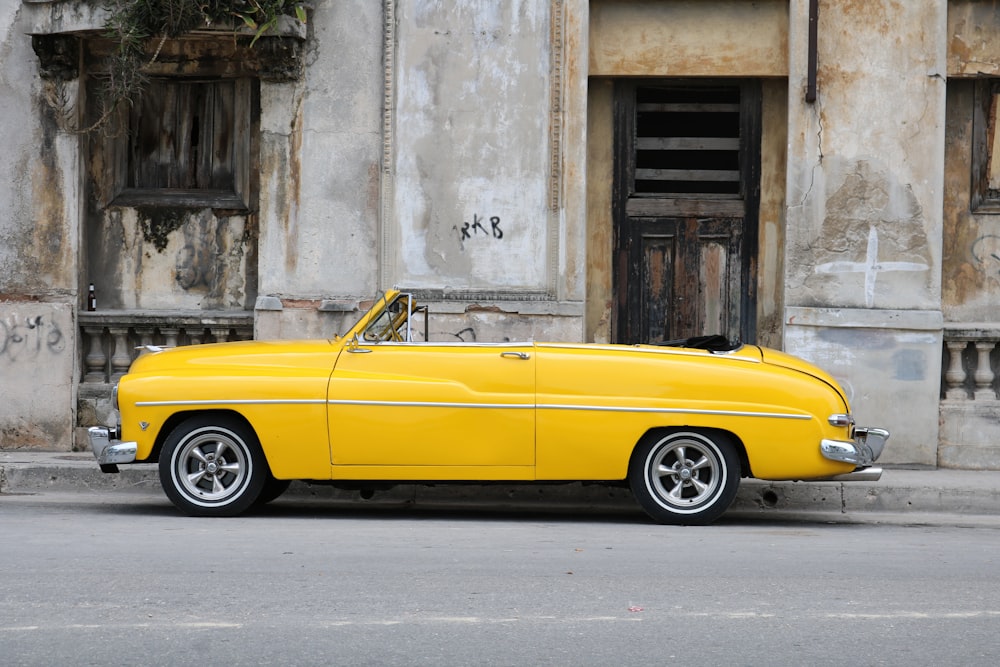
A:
x: 813, y: 175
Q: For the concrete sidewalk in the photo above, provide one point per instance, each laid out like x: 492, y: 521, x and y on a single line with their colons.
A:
x: 918, y: 492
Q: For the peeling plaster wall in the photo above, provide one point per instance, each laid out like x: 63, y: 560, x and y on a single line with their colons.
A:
x: 864, y: 172
x: 471, y: 145
x: 38, y: 186
x: 38, y: 244
x: 321, y: 153
x: 771, y: 237
x: 865, y: 198
x: 37, y: 362
x: 600, y: 222
x: 973, y: 38
x: 168, y: 259
x: 971, y: 271
x: 970, y: 431
x: 688, y: 38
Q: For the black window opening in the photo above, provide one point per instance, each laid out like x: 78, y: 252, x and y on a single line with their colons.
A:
x: 687, y: 142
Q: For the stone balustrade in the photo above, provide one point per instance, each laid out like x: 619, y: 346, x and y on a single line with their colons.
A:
x: 111, y: 340
x: 970, y: 364
x: 969, y: 415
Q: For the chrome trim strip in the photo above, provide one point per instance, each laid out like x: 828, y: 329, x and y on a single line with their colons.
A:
x: 226, y: 401
x: 433, y: 404
x: 685, y: 411
x: 481, y: 406
x: 554, y: 406
x: 654, y: 349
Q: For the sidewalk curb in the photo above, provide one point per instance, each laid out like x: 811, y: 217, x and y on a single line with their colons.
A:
x: 899, y: 491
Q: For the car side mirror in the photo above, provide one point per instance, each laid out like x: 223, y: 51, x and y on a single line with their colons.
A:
x: 354, y: 345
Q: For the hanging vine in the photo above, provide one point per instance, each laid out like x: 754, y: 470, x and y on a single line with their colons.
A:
x: 135, y: 25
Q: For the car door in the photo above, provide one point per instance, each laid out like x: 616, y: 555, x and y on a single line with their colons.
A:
x: 433, y: 404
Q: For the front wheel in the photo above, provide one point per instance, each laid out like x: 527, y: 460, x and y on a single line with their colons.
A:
x: 212, y: 466
x: 685, y: 477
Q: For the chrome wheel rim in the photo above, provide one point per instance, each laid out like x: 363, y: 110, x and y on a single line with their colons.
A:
x: 685, y: 472
x: 211, y: 466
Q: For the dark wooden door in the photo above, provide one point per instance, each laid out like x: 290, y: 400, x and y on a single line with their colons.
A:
x: 686, y: 195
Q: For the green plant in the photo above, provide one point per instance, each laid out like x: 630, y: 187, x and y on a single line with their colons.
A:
x: 133, y: 25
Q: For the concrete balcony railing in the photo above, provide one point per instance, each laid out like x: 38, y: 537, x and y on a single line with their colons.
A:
x: 112, y: 339
x: 971, y: 357
x: 969, y: 435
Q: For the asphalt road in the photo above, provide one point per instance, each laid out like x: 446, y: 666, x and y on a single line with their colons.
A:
x: 113, y: 579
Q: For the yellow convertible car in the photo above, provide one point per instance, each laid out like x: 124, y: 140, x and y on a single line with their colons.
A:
x: 232, y: 423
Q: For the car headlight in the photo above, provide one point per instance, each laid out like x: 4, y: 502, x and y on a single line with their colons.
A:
x: 114, y: 396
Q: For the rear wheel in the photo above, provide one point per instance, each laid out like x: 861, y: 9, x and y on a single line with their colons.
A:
x: 212, y: 465
x: 685, y: 477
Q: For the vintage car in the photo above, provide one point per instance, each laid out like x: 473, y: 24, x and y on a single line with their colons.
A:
x: 230, y: 424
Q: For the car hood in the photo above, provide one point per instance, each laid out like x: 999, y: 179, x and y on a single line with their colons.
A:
x: 237, y: 355
x: 785, y: 360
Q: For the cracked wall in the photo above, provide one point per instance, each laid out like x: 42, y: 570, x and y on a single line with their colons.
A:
x: 864, y: 223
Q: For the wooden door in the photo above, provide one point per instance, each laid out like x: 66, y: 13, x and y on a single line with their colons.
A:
x: 686, y: 198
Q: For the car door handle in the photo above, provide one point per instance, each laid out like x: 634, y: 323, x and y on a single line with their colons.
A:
x: 516, y: 355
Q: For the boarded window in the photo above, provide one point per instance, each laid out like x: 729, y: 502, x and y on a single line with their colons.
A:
x: 986, y: 148
x: 687, y: 142
x: 188, y: 143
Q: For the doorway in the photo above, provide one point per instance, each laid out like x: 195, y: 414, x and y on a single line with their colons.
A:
x: 686, y: 200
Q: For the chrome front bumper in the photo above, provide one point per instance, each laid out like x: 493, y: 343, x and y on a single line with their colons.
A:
x: 863, y: 451
x: 108, y: 450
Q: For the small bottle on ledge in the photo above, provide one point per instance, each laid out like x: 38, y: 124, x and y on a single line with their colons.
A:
x: 91, y: 298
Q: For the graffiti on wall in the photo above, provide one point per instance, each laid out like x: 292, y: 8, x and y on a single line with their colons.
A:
x: 870, y: 267
x: 479, y: 228
x: 986, y: 251
x: 29, y: 338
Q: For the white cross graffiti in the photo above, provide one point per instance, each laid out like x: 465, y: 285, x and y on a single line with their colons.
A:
x: 870, y: 267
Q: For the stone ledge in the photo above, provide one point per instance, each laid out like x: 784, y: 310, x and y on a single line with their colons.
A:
x: 160, y: 317
x: 864, y: 318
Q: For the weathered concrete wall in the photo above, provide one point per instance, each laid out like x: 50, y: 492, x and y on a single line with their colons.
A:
x: 600, y: 222
x: 771, y: 237
x: 38, y: 177
x: 971, y: 270
x: 864, y: 210
x: 39, y: 243
x: 321, y: 151
x: 471, y: 138
x: 973, y: 38
x: 163, y: 259
x: 37, y: 368
x: 688, y: 38
x: 970, y: 428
